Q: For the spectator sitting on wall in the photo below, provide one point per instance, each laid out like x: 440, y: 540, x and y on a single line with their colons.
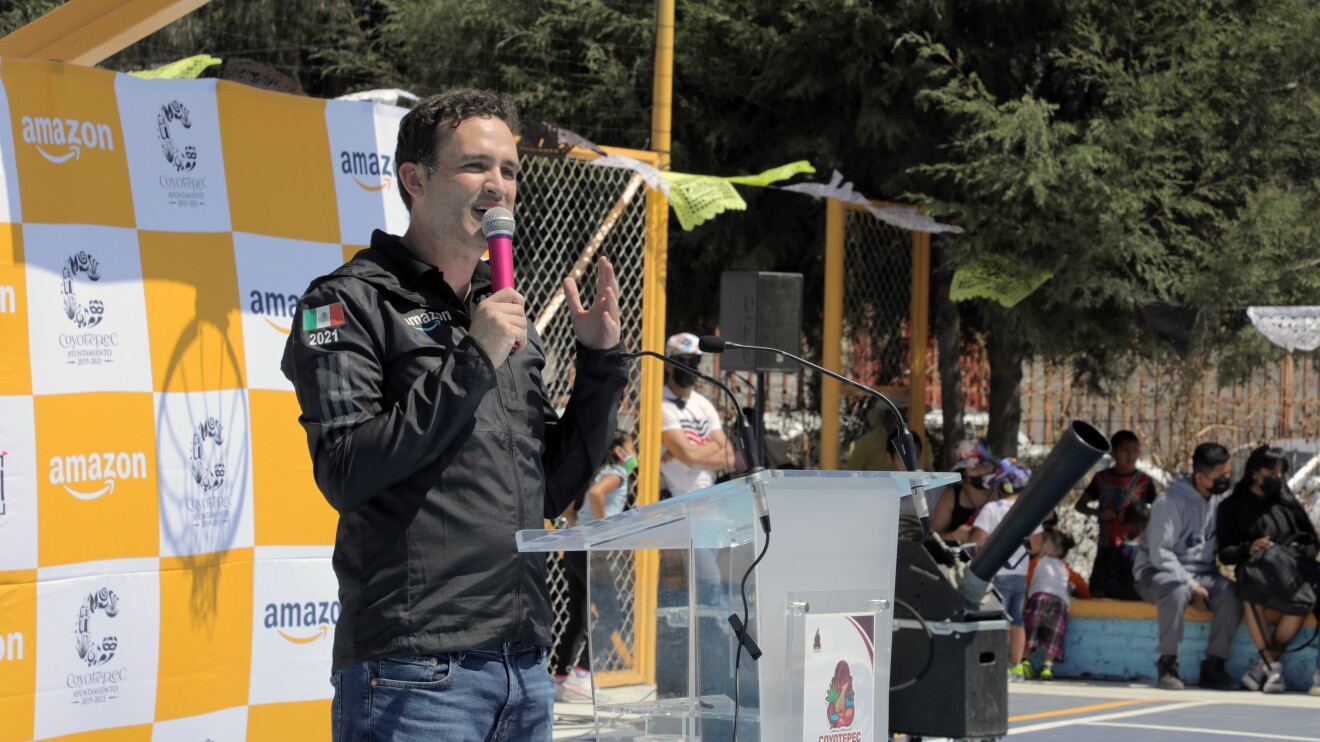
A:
x: 1175, y: 566
x: 1266, y: 535
x: 1119, y: 583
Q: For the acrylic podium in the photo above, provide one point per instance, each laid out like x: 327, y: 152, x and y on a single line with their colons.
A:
x: 820, y: 607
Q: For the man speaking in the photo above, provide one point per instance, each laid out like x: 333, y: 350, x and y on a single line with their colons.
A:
x: 432, y: 436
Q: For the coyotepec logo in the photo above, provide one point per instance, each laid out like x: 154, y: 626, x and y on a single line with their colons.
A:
x: 84, y: 348
x: 96, y: 686
x: 183, y: 158
x: 316, y: 617
x: 94, y: 653
x: 208, y: 469
x: 67, y: 134
x: 274, y: 304
x: 206, y: 461
x: 91, y: 314
x: 369, y: 164
x: 91, y: 469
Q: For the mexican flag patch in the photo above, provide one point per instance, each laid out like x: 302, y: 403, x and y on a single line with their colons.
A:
x: 331, y: 315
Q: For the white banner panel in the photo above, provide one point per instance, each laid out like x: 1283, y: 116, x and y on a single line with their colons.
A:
x: 175, y: 163
x: 204, y: 456
x: 87, y: 317
x: 295, y: 608
x: 18, y: 484
x: 273, y: 272
x: 100, y: 671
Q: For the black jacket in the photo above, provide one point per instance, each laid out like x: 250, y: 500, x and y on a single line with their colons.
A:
x: 434, y: 458
x: 1243, y: 517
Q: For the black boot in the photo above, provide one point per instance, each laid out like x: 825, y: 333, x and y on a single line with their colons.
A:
x: 1215, y: 677
x: 1168, y: 673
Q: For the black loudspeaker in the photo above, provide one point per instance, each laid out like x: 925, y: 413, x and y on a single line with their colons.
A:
x: 758, y: 308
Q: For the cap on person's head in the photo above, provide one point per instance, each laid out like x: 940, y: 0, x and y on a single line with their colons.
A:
x: 972, y: 453
x: 1011, y: 476
x: 682, y: 344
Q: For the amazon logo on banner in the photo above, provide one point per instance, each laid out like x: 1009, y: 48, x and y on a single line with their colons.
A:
x: 275, y: 304
x: 62, y: 139
x: 302, y: 623
x: 93, y: 475
x: 377, y: 169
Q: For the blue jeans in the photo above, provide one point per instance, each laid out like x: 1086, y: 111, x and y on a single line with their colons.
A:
x: 1013, y: 589
x: 496, y: 694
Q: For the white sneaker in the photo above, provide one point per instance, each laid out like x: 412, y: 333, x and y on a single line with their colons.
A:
x: 1315, y: 684
x: 1255, y: 675
x: 1274, y: 682
x: 575, y: 688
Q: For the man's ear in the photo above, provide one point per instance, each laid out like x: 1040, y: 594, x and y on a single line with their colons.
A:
x: 412, y: 177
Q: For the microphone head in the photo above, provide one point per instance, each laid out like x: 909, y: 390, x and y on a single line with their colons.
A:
x: 711, y: 344
x: 498, y: 220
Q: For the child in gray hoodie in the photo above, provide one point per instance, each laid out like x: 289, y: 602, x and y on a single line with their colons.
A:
x: 1175, y: 566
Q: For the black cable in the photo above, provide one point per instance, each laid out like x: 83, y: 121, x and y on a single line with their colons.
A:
x: 737, y: 660
x: 930, y: 647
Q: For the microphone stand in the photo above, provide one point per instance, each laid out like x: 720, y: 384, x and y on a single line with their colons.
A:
x: 746, y: 438
x: 907, y: 448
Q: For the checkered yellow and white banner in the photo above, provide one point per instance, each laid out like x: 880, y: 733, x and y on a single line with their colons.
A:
x: 154, y: 238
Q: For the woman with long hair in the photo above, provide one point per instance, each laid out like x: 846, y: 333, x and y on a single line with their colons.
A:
x: 1260, y: 515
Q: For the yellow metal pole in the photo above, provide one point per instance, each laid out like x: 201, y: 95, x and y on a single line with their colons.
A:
x: 920, y: 338
x: 88, y: 31
x: 662, y: 84
x: 832, y: 352
x: 656, y: 268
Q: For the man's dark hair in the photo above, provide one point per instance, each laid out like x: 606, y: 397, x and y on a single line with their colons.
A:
x: 1207, y: 457
x: 1121, y: 437
x: 420, y: 133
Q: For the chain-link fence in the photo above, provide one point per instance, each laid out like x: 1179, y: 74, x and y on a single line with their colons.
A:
x: 568, y: 213
x: 881, y: 338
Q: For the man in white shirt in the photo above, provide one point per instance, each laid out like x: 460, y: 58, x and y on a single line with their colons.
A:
x: 693, y: 439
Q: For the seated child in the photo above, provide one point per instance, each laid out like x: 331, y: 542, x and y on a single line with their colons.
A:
x: 1048, y: 581
x: 1117, y: 581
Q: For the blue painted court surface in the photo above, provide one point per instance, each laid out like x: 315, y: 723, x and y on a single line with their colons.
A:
x: 1091, y: 711
x: 1096, y: 712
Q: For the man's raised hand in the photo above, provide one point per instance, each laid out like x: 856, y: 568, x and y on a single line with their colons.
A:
x: 597, y: 327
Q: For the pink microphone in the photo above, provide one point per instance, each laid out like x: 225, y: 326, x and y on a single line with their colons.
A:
x: 497, y: 225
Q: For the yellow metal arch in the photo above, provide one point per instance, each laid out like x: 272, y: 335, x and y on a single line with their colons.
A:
x: 88, y: 31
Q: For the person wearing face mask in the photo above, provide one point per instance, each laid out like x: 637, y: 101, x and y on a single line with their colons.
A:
x: 958, y: 505
x: 1262, y: 515
x: 1175, y: 566
x: 693, y: 438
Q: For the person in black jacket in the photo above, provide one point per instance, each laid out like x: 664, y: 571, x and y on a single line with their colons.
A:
x: 1262, y: 514
x: 431, y: 434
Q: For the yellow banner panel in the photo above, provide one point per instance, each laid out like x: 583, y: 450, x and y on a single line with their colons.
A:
x: 281, y: 178
x: 18, y: 654
x: 68, y: 144
x: 96, y: 483
x: 205, y: 633
x: 298, y: 514
x: 194, y: 319
x: 306, y: 720
x: 15, y: 368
